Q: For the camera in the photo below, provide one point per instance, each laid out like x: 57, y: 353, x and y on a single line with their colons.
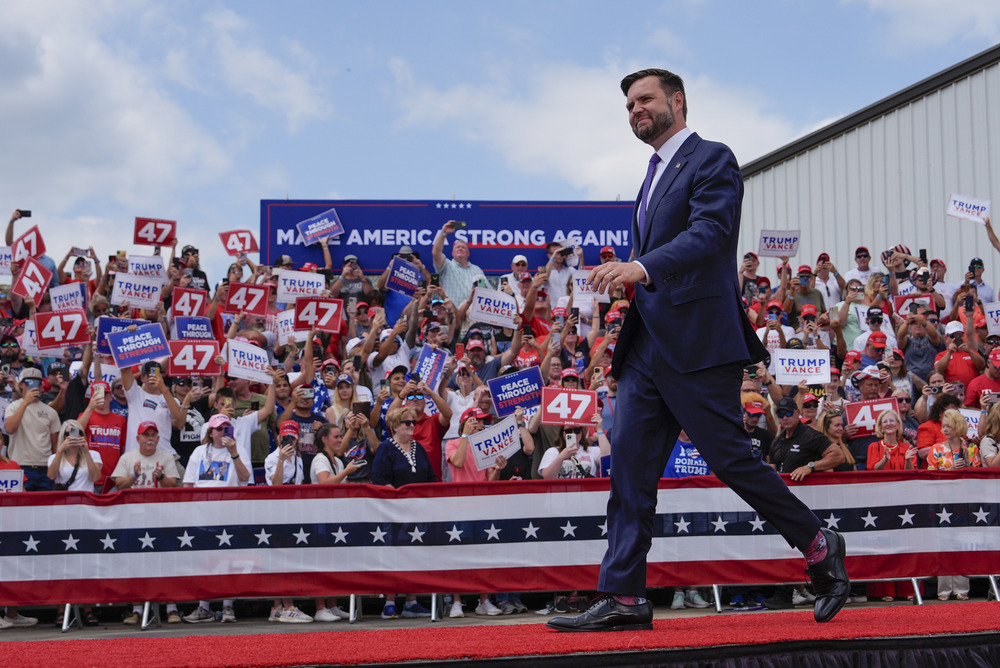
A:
x: 935, y: 389
x: 73, y: 431
x: 307, y: 392
x: 459, y: 224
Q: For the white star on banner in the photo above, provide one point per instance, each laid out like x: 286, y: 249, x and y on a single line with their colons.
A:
x: 461, y: 206
x: 944, y: 516
x: 907, y: 517
x: 454, y: 534
x: 603, y: 527
x: 109, y: 542
x: 832, y: 522
x: 378, y: 535
x: 530, y: 531
x: 982, y: 515
x: 416, y: 535
x: 757, y: 524
x: 263, y: 538
x: 720, y: 525
x: 340, y: 536
x: 185, y: 539
x: 301, y: 536
x: 492, y: 532
x: 225, y: 537
x: 870, y: 519
x: 147, y: 541
x: 438, y: 205
x: 682, y: 526
x: 71, y: 543
x: 31, y: 544
x: 568, y: 530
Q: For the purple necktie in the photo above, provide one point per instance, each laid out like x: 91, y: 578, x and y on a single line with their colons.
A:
x: 645, y: 195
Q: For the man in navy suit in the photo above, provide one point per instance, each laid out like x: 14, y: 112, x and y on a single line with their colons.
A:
x: 679, y: 360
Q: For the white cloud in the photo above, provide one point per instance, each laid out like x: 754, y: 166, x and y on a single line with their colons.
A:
x: 250, y: 70
x: 920, y: 24
x: 570, y: 121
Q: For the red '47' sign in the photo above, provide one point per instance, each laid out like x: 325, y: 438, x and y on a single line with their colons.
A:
x: 193, y: 358
x: 154, y: 231
x: 248, y: 298
x: 189, y: 302
x: 57, y: 329
x: 29, y: 244
x: 570, y: 407
x: 239, y: 241
x: 864, y: 413
x: 32, y: 281
x: 318, y: 313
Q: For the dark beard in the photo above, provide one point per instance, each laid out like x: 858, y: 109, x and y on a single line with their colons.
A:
x: 660, y: 125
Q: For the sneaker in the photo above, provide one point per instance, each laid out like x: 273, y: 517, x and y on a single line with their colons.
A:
x: 173, y: 617
x: 132, y: 618
x: 802, y: 597
x: 456, y: 610
x: 414, y: 610
x: 780, y: 601
x: 339, y: 612
x: 275, y: 613
x: 326, y: 615
x: 21, y: 620
x: 487, y: 608
x: 547, y: 610
x: 678, y: 602
x: 5, y: 624
x: 519, y: 607
x: 389, y: 611
x: 858, y: 599
x: 294, y: 616
x: 736, y: 602
x: 561, y: 605
x: 200, y: 615
x: 694, y: 599
x: 228, y: 616
x: 506, y: 607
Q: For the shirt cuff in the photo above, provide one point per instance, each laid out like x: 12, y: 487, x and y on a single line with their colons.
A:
x: 646, y: 281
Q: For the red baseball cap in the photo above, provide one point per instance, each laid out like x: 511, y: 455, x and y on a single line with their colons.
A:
x: 980, y: 321
x: 994, y: 357
x: 290, y: 428
x: 810, y: 399
x: 877, y: 339
x: 898, y: 353
x: 774, y: 303
x: 763, y: 279
x: 754, y: 407
x: 309, y: 266
x: 940, y: 262
x: 805, y: 269
x: 570, y: 373
x: 146, y: 426
x: 751, y: 253
x: 852, y: 356
x: 608, y: 250
x: 809, y: 309
x: 823, y: 257
x: 861, y: 248
x: 834, y: 371
x: 475, y: 412
x: 474, y: 344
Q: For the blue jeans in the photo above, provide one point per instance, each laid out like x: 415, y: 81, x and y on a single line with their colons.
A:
x: 36, y: 479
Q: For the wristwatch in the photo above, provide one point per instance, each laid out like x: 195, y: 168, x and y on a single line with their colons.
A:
x: 812, y: 465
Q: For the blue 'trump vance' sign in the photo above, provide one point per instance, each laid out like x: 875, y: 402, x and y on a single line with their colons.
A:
x: 496, y: 232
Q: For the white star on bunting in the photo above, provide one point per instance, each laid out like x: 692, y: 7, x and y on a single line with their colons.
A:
x: 454, y: 534
x: 71, y: 543
x: 185, y: 539
x: 263, y: 538
x: 302, y: 536
x: 870, y: 519
x: 982, y: 515
x: 757, y: 524
x: 530, y: 531
x: 832, y: 522
x: 416, y: 535
x: 109, y: 542
x: 378, y: 536
x: 720, y: 525
x: 682, y: 526
x: 906, y: 517
x: 31, y: 544
x: 568, y: 530
x: 944, y: 516
x: 492, y: 533
x: 147, y: 541
x: 225, y: 537
x: 339, y: 536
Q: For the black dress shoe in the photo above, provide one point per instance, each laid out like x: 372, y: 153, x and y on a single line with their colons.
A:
x: 829, y: 578
x: 607, y: 614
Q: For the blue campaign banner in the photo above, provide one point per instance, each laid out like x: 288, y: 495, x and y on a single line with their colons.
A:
x: 326, y: 224
x: 496, y: 231
x: 146, y: 343
x: 523, y: 389
x: 192, y: 327
x: 106, y: 325
x: 430, y: 366
x: 404, y: 277
x: 394, y: 305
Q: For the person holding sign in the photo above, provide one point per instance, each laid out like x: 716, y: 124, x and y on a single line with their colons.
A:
x: 575, y: 455
x: 686, y: 232
x: 150, y: 400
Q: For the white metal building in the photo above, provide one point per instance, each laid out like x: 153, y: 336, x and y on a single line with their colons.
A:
x: 883, y: 175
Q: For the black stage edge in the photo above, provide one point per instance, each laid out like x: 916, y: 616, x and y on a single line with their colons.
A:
x: 971, y: 650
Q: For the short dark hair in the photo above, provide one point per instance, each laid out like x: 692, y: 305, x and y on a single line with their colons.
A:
x: 669, y: 82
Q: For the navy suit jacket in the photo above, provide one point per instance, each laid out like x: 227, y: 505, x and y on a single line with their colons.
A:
x: 692, y: 305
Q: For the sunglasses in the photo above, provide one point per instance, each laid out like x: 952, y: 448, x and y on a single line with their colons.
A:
x: 904, y: 400
x: 414, y: 397
x: 519, y: 264
x: 933, y: 321
x: 785, y: 414
x: 10, y: 344
x: 861, y: 255
x: 408, y: 423
x: 99, y: 311
x: 184, y: 382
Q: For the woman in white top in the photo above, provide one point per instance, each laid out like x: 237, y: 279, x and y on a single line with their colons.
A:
x: 76, y: 469
x: 343, y: 397
x: 575, y: 454
x: 74, y: 465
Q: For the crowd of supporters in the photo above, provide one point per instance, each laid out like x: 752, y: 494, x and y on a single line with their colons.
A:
x: 344, y: 407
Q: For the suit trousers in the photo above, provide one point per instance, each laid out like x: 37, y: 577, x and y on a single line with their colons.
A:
x: 655, y: 401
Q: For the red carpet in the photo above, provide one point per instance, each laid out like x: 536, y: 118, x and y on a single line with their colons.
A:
x: 387, y: 646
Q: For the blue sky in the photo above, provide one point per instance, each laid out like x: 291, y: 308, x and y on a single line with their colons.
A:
x: 198, y: 110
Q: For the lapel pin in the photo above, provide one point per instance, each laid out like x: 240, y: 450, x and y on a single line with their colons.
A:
x: 677, y: 166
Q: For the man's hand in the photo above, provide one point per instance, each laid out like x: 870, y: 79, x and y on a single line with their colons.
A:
x: 606, y: 278
x: 801, y: 473
x: 448, y: 227
x: 31, y: 396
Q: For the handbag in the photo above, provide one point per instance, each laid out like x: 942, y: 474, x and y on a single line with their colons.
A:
x: 69, y: 483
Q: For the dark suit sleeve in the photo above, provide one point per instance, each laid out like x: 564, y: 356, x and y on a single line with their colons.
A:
x: 714, y: 212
